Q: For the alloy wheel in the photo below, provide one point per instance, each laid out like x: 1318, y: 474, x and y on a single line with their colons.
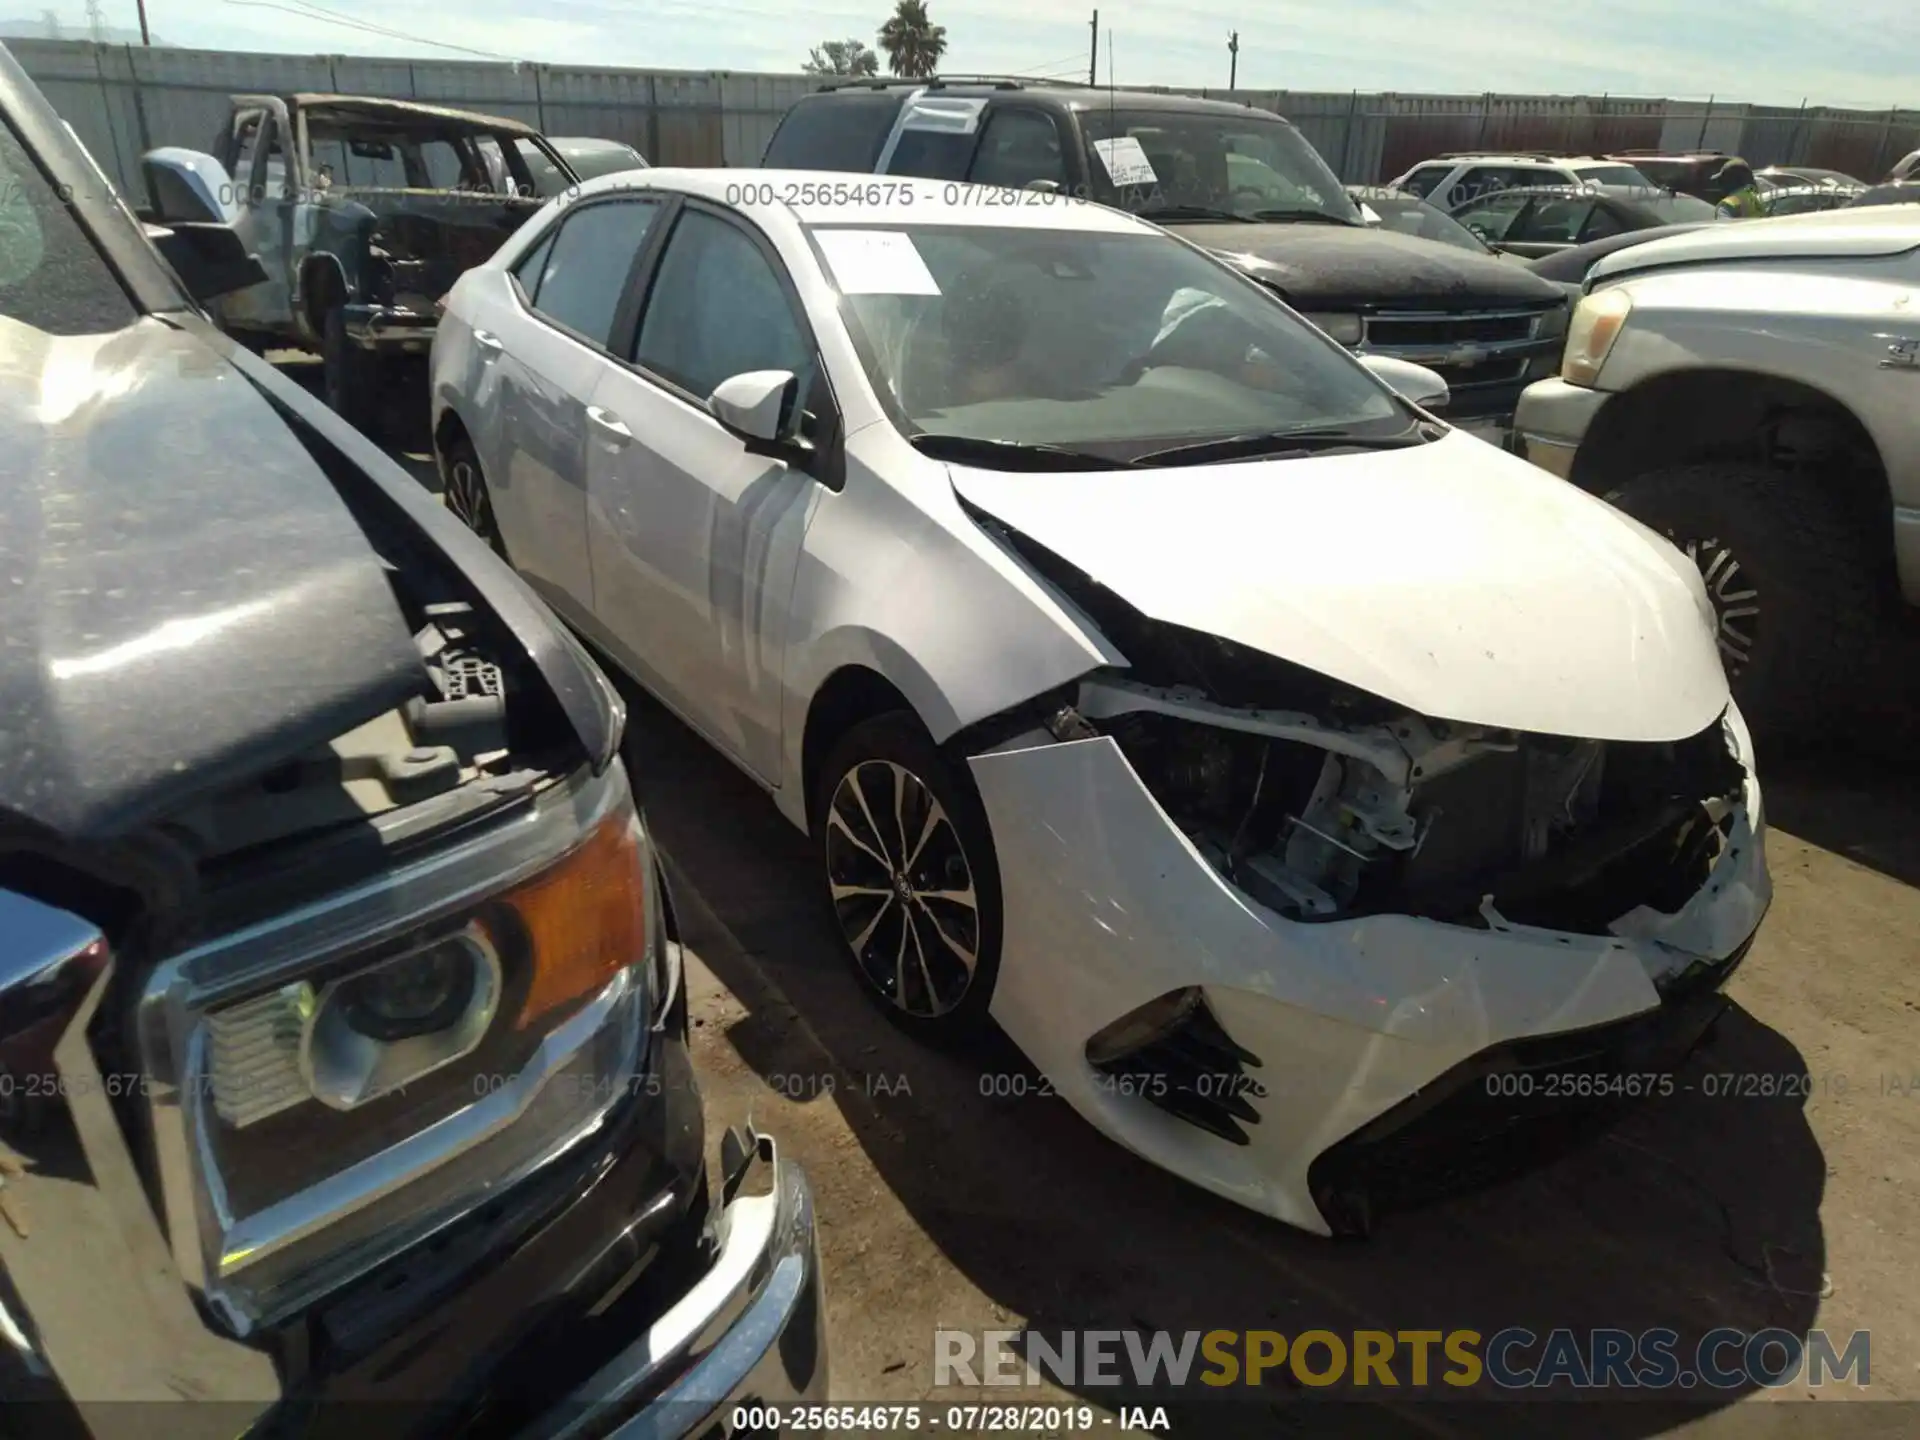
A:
x: 467, y: 499
x: 1736, y: 604
x: 902, y: 888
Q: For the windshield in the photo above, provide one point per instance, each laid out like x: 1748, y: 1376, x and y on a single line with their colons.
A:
x: 1174, y: 163
x: 51, y: 277
x: 1404, y: 215
x: 1118, y: 344
x: 591, y: 161
x: 1612, y: 175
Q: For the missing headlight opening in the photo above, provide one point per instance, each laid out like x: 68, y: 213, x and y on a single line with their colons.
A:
x: 1322, y: 821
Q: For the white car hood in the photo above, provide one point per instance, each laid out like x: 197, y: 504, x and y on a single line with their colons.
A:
x: 1451, y: 578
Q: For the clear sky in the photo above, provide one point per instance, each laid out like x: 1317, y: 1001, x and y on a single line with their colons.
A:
x: 1766, y: 51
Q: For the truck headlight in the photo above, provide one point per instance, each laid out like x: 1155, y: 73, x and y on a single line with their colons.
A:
x: 1346, y: 329
x: 1596, y: 324
x: 331, y: 1083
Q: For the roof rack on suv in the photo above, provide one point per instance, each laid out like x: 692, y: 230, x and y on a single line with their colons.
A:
x: 1681, y: 153
x: 937, y: 82
x: 1525, y: 152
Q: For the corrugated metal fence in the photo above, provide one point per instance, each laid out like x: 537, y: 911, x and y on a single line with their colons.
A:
x: 125, y: 99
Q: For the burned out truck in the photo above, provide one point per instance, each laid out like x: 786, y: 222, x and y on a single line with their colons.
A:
x: 363, y: 212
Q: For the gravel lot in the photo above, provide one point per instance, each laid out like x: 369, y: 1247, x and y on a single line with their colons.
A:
x: 943, y: 1207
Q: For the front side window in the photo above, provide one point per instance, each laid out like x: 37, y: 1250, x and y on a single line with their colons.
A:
x: 717, y: 309
x: 1019, y: 146
x: 51, y: 277
x: 1116, y: 343
x: 585, y: 270
x: 1177, y: 164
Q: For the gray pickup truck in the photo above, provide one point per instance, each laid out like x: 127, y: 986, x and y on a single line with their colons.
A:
x: 344, y: 1075
x: 363, y: 213
x: 1749, y: 390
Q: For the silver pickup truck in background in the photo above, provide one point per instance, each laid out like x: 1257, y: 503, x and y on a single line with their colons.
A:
x: 1753, y: 392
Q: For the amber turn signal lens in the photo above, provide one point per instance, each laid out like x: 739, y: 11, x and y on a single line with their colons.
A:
x: 585, y: 919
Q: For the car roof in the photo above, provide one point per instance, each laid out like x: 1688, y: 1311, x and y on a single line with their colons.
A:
x: 587, y: 142
x: 828, y: 197
x: 373, y: 108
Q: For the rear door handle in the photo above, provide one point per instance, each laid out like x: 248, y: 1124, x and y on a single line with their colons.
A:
x: 487, y: 340
x: 609, y: 424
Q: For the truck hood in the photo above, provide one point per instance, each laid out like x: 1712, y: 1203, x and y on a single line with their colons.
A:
x: 1863, y: 234
x: 184, y: 598
x: 1450, y: 578
x: 1324, y: 266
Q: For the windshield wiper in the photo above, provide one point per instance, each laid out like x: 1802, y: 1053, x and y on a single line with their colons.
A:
x: 1009, y: 454
x: 1304, y: 216
x: 1276, y: 445
x: 1162, y: 213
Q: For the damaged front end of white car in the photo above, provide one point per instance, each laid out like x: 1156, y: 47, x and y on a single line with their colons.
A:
x: 1324, y: 954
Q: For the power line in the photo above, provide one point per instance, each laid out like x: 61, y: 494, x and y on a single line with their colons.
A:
x: 329, y: 17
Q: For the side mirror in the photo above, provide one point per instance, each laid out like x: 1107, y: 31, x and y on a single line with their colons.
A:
x: 210, y: 259
x: 188, y: 187
x: 758, y: 406
x: 1409, y: 381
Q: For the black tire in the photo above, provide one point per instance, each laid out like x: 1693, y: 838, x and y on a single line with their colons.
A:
x: 350, y: 376
x: 1791, y: 578
x: 945, y: 1000
x: 466, y: 495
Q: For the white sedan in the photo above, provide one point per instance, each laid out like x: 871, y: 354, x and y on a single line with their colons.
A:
x: 1309, y: 789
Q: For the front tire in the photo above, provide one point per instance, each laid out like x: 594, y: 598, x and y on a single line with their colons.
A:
x: 466, y: 495
x: 351, y: 376
x: 1791, y: 580
x: 911, y: 879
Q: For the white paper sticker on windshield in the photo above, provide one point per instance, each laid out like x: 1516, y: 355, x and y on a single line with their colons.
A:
x: 1369, y: 214
x: 876, y: 262
x: 1125, y: 161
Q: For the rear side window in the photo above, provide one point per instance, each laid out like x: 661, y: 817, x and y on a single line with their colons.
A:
x: 587, y: 266
x: 842, y: 130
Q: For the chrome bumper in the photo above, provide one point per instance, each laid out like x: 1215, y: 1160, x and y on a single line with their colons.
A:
x: 1551, y: 420
x: 751, y: 1332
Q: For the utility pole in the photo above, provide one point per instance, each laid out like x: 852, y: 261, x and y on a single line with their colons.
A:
x: 1233, y: 61
x: 1093, y: 56
x: 96, y: 23
x: 145, y: 38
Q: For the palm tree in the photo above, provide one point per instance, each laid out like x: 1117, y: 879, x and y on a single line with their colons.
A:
x: 914, y: 44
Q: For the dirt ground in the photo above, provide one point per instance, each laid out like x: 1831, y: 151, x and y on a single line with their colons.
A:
x: 940, y: 1206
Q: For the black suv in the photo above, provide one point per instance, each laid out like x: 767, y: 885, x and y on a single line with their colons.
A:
x: 1242, y: 182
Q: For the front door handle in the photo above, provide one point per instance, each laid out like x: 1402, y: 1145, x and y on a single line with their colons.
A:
x: 609, y: 424
x: 487, y: 340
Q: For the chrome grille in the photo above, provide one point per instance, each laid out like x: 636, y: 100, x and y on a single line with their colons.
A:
x: 1471, y: 350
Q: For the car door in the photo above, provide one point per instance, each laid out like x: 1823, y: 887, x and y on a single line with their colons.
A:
x: 1550, y: 224
x: 268, y: 184
x: 542, y: 359
x: 695, y: 541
